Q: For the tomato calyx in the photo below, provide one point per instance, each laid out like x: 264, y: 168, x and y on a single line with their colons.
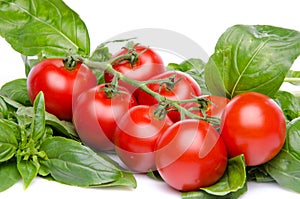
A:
x: 70, y: 62
x: 112, y: 89
x: 131, y: 56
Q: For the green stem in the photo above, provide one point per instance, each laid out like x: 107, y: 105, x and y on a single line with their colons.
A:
x: 292, y: 79
x: 107, y: 66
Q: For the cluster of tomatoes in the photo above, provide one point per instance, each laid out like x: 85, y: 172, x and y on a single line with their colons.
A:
x: 188, y: 153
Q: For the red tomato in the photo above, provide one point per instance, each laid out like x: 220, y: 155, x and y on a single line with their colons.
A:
x: 191, y: 155
x: 215, y: 106
x: 148, y: 64
x: 59, y: 85
x: 95, y: 116
x: 253, y: 125
x: 136, y: 136
x: 185, y: 88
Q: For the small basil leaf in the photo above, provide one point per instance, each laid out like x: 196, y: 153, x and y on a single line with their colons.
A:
x: 48, y: 28
x: 9, y: 175
x: 233, y: 179
x: 60, y: 126
x: 8, y: 140
x: 17, y: 91
x: 289, y: 104
x: 195, y: 68
x: 28, y: 169
x: 251, y: 58
x: 74, y: 164
x: 39, y: 122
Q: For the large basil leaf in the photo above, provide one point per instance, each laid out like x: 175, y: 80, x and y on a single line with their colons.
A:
x: 285, y: 167
x: 251, y: 58
x: 45, y: 28
x: 74, y: 164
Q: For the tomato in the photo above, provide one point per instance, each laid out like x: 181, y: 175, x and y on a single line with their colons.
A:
x: 185, y: 88
x: 253, y: 125
x: 136, y: 136
x: 215, y: 106
x: 59, y: 85
x: 95, y: 116
x: 191, y: 155
x: 148, y: 64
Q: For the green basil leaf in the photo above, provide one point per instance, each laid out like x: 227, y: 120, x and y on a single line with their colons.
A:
x: 62, y: 127
x: 205, y: 195
x: 251, y: 58
x: 74, y: 164
x: 289, y: 104
x: 28, y: 170
x: 8, y: 140
x: 17, y: 91
x: 195, y: 68
x: 11, y: 102
x: 292, y: 141
x: 285, y: 167
x: 233, y: 179
x: 39, y: 122
x: 45, y: 28
x: 258, y: 174
x: 9, y: 175
x: 3, y: 109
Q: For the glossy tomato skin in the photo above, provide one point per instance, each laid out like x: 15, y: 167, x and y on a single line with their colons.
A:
x: 186, y: 88
x: 191, y: 155
x: 149, y: 64
x: 59, y: 85
x: 253, y: 125
x: 95, y: 116
x: 136, y: 137
x: 215, y: 108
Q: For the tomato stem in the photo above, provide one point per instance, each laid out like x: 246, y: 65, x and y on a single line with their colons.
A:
x: 107, y: 66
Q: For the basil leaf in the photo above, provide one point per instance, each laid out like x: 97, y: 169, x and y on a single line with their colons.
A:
x: 195, y: 68
x: 28, y: 169
x: 231, y: 185
x: 9, y: 175
x: 100, y: 54
x: 251, y: 58
x: 17, y: 91
x: 45, y: 28
x: 292, y: 141
x: 233, y: 179
x: 205, y: 195
x: 3, y: 109
x: 285, y: 167
x: 62, y: 127
x: 74, y: 164
x: 289, y: 104
x: 39, y: 123
x: 8, y: 140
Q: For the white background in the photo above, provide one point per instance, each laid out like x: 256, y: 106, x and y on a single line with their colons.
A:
x: 201, y: 21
